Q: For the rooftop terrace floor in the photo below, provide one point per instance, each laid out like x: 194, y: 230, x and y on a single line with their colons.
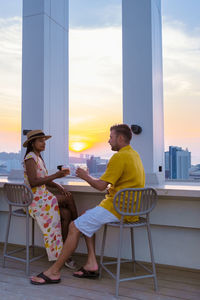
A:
x: 174, y: 283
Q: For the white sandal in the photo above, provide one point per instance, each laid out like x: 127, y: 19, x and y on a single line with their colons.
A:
x: 70, y: 263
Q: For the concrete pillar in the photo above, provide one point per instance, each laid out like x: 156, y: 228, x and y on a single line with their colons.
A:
x: 45, y: 75
x: 143, y: 81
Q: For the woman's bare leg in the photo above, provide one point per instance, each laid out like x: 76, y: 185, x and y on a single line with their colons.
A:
x: 65, y: 216
x: 67, y: 201
x: 72, y: 206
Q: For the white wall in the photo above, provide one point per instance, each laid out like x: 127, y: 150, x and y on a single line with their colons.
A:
x: 45, y: 75
x: 175, y: 231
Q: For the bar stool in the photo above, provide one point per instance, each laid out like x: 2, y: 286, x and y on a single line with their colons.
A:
x: 19, y: 195
x: 144, y: 201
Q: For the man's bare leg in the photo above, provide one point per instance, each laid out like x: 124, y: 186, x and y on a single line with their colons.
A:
x: 68, y: 248
x: 91, y: 264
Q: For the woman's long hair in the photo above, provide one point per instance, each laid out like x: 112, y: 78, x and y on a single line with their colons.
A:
x: 29, y: 147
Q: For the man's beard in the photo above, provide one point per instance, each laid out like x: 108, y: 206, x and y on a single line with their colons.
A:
x: 114, y: 148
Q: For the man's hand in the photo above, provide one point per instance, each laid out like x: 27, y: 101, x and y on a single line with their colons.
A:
x: 94, y: 182
x: 83, y: 174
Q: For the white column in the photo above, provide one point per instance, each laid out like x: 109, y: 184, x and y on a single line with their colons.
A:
x: 143, y: 81
x: 45, y: 75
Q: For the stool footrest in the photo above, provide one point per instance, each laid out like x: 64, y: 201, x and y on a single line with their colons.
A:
x: 109, y: 272
x: 16, y: 250
x: 129, y: 278
x: 137, y: 277
x: 15, y: 258
x: 144, y: 267
x: 128, y: 261
x: 23, y: 259
x: 37, y: 257
x: 121, y: 261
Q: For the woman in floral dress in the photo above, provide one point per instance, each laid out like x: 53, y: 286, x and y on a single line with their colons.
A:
x: 45, y: 205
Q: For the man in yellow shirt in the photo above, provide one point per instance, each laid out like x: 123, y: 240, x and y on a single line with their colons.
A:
x: 124, y: 170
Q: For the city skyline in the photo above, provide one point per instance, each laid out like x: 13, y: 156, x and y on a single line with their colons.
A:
x: 99, y: 89
x: 177, y: 164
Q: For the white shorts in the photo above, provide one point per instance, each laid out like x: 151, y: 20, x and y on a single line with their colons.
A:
x: 93, y: 219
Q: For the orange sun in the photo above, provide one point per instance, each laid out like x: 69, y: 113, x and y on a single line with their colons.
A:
x: 78, y: 146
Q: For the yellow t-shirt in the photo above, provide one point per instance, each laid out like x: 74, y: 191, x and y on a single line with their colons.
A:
x: 124, y: 170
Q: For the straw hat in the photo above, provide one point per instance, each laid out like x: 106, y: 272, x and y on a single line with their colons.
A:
x: 34, y: 134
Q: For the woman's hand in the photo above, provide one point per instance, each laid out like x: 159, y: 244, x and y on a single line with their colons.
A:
x: 67, y: 193
x: 62, y: 190
x: 62, y: 173
x: 59, y: 187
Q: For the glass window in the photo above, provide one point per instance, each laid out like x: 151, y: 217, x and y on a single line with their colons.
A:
x: 95, y: 79
x: 10, y: 85
x: 181, y: 61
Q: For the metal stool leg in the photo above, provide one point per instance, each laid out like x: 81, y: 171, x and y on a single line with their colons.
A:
x: 152, y: 256
x: 119, y: 261
x: 6, y: 237
x: 102, y: 250
x: 33, y: 237
x: 133, y: 249
x: 27, y: 245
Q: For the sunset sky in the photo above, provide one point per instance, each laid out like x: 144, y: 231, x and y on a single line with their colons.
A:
x: 95, y: 95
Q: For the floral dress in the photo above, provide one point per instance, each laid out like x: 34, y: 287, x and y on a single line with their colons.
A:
x: 44, y: 209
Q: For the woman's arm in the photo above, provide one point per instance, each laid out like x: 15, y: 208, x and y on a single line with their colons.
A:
x: 56, y: 186
x: 31, y: 170
x: 53, y: 184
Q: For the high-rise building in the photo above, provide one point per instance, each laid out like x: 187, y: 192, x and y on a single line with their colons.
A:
x: 96, y: 165
x: 167, y: 172
x: 177, y: 162
x: 92, y: 164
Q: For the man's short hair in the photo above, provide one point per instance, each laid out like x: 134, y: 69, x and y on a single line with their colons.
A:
x: 124, y: 130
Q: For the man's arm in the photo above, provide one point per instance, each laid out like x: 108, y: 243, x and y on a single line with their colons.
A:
x: 94, y: 182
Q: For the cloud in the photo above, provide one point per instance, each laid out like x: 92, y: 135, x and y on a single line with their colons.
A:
x: 94, y: 13
x: 95, y: 71
x: 181, y: 56
x: 78, y: 120
x: 11, y: 43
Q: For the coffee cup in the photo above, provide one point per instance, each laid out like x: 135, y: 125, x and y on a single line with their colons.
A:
x: 64, y: 168
x: 59, y: 167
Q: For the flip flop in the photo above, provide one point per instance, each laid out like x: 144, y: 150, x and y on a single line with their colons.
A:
x: 87, y: 274
x: 47, y: 280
